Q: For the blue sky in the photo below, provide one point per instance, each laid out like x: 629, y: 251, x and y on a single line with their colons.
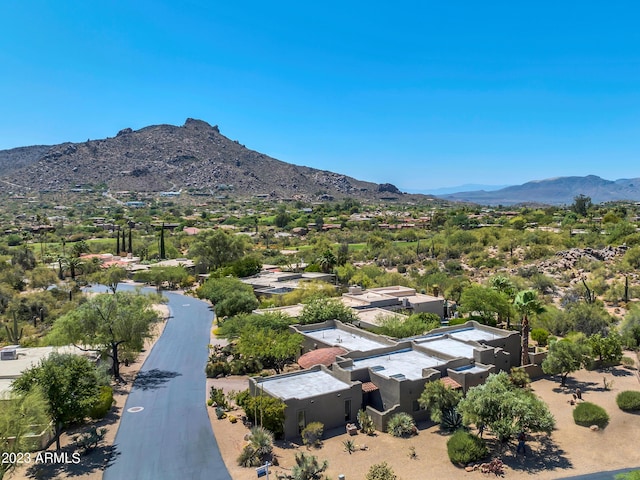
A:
x: 421, y: 94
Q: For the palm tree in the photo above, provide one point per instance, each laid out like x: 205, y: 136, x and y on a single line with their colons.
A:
x: 327, y: 261
x: 527, y: 303
x: 73, y: 264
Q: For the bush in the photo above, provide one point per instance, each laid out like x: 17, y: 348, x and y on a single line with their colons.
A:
x: 401, y: 425
x: 215, y: 369
x: 464, y: 447
x: 312, y: 434
x: 628, y: 362
x: 381, y: 471
x: 540, y: 336
x: 103, y: 404
x: 587, y: 414
x: 216, y: 395
x: 629, y: 400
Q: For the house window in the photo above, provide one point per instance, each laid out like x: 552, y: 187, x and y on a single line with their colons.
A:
x: 302, y: 420
x: 347, y: 410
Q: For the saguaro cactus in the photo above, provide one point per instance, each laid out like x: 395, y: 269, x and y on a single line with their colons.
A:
x: 13, y: 334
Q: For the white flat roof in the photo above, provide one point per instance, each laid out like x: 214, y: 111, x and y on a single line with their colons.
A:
x: 400, y: 364
x: 28, y: 357
x: 303, y: 385
x: 345, y: 339
x: 448, y: 346
x: 475, y: 334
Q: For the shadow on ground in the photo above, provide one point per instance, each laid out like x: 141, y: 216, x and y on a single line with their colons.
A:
x: 153, y: 379
x: 71, y: 463
x: 543, y: 455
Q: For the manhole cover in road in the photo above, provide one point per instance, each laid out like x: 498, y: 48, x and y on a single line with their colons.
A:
x: 135, y: 409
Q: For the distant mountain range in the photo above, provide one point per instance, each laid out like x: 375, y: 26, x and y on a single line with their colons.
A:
x: 467, y: 187
x: 197, y: 158
x: 555, y: 191
x: 194, y: 157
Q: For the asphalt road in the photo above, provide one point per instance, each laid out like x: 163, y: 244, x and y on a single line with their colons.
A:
x: 601, y: 475
x: 164, y: 432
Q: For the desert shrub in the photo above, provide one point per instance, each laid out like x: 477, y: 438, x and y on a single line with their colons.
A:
x: 587, y: 414
x: 218, y: 397
x: 451, y: 420
x: 90, y: 440
x: 242, y: 398
x: 540, y: 335
x: 629, y: 400
x: 215, y: 369
x: 401, y: 425
x: 312, y: 434
x: 519, y: 377
x: 627, y: 362
x: 464, y: 447
x: 103, y: 403
x: 366, y: 423
x: 381, y: 471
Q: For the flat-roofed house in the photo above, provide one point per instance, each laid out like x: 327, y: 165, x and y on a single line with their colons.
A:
x: 313, y: 395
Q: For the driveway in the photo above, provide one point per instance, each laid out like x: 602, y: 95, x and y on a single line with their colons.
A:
x: 164, y: 432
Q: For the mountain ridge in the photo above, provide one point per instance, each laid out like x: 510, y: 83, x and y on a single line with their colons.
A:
x: 194, y: 157
x: 555, y: 191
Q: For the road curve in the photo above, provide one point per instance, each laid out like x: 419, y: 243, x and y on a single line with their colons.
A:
x: 164, y: 432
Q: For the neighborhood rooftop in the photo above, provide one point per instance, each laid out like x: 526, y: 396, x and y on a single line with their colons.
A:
x: 399, y: 364
x: 304, y: 384
x: 349, y: 340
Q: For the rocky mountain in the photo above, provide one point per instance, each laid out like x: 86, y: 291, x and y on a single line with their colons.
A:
x: 555, y: 191
x: 194, y: 157
x: 17, y: 158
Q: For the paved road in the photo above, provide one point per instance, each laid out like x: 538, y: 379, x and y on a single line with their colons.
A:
x: 600, y: 475
x: 169, y: 436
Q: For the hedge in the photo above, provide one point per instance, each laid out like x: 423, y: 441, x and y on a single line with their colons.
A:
x: 587, y: 414
x: 629, y: 400
x: 464, y: 447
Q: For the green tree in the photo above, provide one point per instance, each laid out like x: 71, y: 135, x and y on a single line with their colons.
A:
x: 581, y: 205
x: 271, y: 349
x: 607, y: 349
x: 70, y: 384
x: 214, y: 249
x: 437, y: 399
x: 110, y: 277
x: 246, y: 266
x: 108, y: 323
x: 526, y: 304
x: 265, y: 411
x: 487, y: 303
x: 630, y: 327
x: 20, y: 412
x: 323, y: 309
x: 327, y: 261
x: 308, y: 467
x: 505, y: 409
x: 42, y: 277
x: 565, y: 357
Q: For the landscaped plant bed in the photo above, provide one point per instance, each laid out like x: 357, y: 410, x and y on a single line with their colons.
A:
x: 587, y: 414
